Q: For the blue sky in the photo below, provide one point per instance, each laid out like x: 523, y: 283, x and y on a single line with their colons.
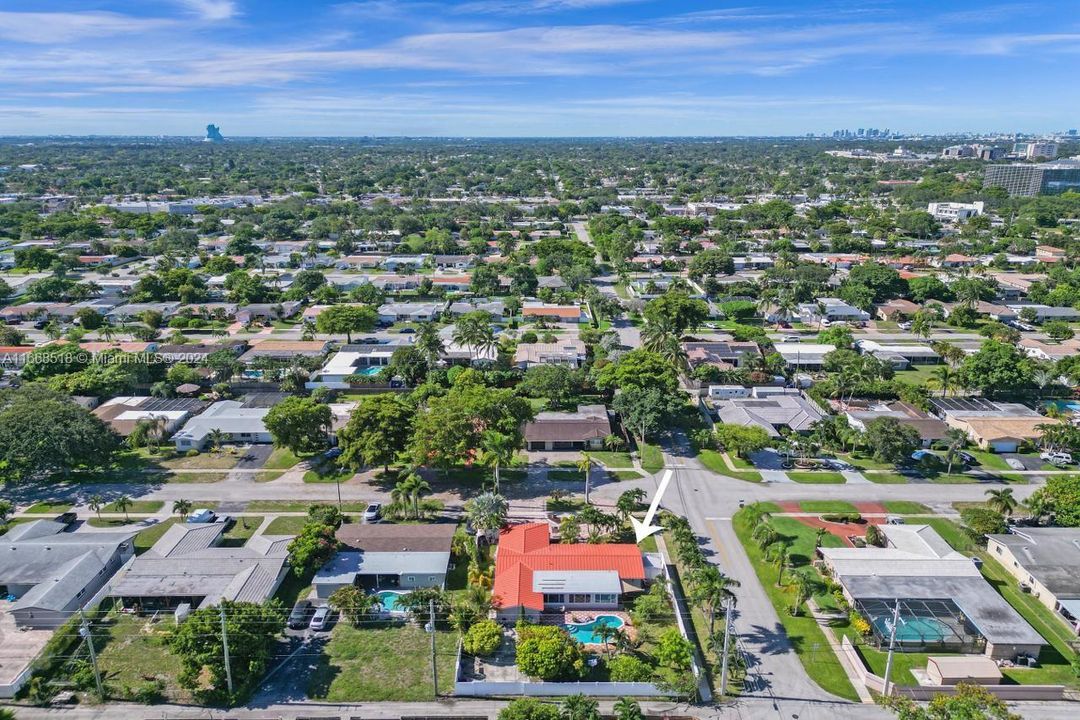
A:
x: 535, y: 67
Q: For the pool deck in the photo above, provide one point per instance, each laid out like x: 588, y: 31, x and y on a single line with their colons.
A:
x: 581, y: 617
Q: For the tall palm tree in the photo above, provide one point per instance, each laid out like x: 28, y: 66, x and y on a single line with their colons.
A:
x: 711, y: 589
x: 657, y: 335
x: 580, y: 707
x: 96, y: 503
x: 497, y: 450
x: 122, y: 504
x: 429, y: 343
x: 487, y: 513
x: 780, y: 552
x: 804, y: 587
x: 627, y: 709
x: 216, y: 438
x: 182, y: 508
x: 955, y: 441
x: 941, y: 377
x: 786, y: 306
x: 1002, y: 501
x: 585, y: 466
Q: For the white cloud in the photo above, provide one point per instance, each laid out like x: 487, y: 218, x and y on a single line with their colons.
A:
x: 518, y: 7
x: 212, y: 10
x: 61, y: 27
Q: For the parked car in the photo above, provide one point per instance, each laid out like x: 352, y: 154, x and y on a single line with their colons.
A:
x: 791, y: 338
x: 67, y: 518
x: 1015, y: 463
x: 298, y: 618
x: 904, y: 325
x: 1055, y: 457
x: 968, y: 458
x: 201, y: 515
x: 372, y: 512
x: 322, y: 619
x: 406, y: 331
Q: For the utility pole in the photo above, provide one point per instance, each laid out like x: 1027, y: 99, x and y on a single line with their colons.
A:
x: 892, y: 647
x: 727, y: 637
x: 225, y: 647
x: 434, y: 668
x: 84, y: 630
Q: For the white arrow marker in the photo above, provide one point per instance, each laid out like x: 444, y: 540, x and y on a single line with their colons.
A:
x: 643, y: 529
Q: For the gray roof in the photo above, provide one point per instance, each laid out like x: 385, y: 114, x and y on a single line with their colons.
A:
x: 186, y: 562
x: 345, y: 566
x: 1050, y: 555
x: 793, y: 411
x: 576, y: 581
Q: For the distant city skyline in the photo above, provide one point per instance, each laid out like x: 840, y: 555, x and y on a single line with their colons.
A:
x: 521, y: 68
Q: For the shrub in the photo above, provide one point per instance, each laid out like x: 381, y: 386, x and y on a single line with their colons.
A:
x: 858, y: 623
x: 629, y: 668
x: 483, y: 638
x: 982, y: 521
x: 549, y: 653
x: 528, y: 708
x: 851, y: 517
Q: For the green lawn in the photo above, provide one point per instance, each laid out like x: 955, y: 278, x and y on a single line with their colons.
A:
x: 864, y: 462
x: 652, y: 460
x: 714, y: 462
x: 619, y: 475
x: 989, y: 460
x: 739, y: 462
x: 113, y: 522
x: 48, y: 508
x: 146, y: 539
x: 565, y: 505
x: 281, y: 459
x: 130, y: 650
x: 905, y: 507
x: 613, y: 459
x: 203, y: 461
x: 382, y: 664
x: 268, y: 475
x: 137, y: 506
x: 197, y: 478
x: 887, y: 478
x: 566, y: 475
x: 827, y: 506
x: 803, y: 632
x: 817, y: 477
x: 287, y: 525
x: 328, y: 475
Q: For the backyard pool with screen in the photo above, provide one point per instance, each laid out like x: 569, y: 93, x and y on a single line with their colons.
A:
x: 922, y: 630
x: 1072, y: 406
x: 585, y: 633
x: 389, y: 600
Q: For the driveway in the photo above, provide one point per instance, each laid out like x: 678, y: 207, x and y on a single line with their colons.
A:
x: 254, y: 457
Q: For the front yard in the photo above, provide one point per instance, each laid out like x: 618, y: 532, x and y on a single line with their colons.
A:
x: 383, y: 663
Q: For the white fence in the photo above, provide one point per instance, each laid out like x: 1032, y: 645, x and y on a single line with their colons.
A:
x: 483, y: 688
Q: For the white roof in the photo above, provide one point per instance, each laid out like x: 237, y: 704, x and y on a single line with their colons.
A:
x: 576, y: 581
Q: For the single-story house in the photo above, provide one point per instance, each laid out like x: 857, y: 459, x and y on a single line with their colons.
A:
x: 409, y: 312
x: 997, y: 426
x: 188, y: 565
x: 723, y: 355
x: 265, y: 312
x: 804, y: 356
x: 792, y: 410
x: 284, y: 349
x: 900, y: 356
x: 565, y: 351
x: 1042, y: 350
x: 945, y: 603
x: 51, y: 573
x: 930, y: 428
x: 1046, y: 562
x: 833, y: 310
x: 534, y: 575
x: 1044, y: 313
x: 238, y: 423
x: 549, y: 311
x: 381, y: 556
x: 583, y: 429
x: 123, y: 413
x: 897, y: 309
x: 357, y: 359
x: 196, y: 353
x: 495, y: 308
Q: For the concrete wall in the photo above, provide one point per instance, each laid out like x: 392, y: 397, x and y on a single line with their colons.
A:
x: 549, y: 689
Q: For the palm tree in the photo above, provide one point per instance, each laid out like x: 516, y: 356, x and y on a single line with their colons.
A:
x: 429, y: 343
x: 474, y: 331
x: 122, y: 504
x: 352, y: 602
x: 656, y: 335
x: 942, y: 376
x: 711, y: 589
x: 182, y: 508
x: 804, y: 587
x: 780, y: 553
x: 497, y: 450
x: 107, y: 331
x: 217, y: 438
x: 606, y: 633
x: 585, y: 466
x: 819, y: 536
x: 579, y: 707
x: 955, y: 441
x: 412, y: 488
x: 96, y: 503
x: 1002, y: 501
x: 786, y: 306
x: 628, y: 502
x: 627, y: 709
x: 613, y: 443
x: 487, y: 513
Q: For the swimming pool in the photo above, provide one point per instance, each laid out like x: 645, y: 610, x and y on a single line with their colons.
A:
x: 369, y: 371
x: 1072, y: 406
x: 585, y: 633
x: 915, y: 629
x: 389, y: 600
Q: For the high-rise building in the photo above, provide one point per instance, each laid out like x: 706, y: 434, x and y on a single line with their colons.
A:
x: 1036, y: 149
x: 1049, y: 178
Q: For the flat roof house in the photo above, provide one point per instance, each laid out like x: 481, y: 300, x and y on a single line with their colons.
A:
x: 534, y: 575
x: 564, y: 351
x: 582, y: 429
x: 51, y: 573
x: 240, y: 425
x: 808, y: 356
x: 409, y: 312
x: 771, y: 413
x: 928, y: 427
x: 189, y: 565
x: 380, y: 556
x: 832, y: 309
x: 124, y: 413
x: 284, y: 349
x: 945, y: 604
x: 997, y: 426
x: 1046, y: 561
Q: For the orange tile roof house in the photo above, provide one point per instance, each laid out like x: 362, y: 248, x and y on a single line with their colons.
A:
x: 561, y: 313
x: 534, y: 575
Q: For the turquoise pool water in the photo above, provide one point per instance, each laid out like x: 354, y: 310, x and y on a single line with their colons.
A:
x: 585, y: 633
x: 1065, y: 405
x: 389, y: 600
x: 914, y: 629
x: 369, y: 371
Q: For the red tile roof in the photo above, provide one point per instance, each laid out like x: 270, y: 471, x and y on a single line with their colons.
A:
x: 526, y: 548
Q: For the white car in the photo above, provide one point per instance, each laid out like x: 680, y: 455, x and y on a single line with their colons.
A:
x: 321, y: 619
x: 791, y: 338
x: 1056, y: 458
